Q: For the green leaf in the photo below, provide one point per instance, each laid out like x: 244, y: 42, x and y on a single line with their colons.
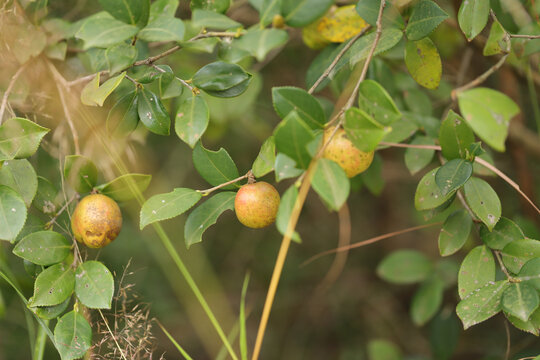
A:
x: 213, y: 20
x: 126, y: 187
x: 56, y: 51
x: 331, y: 183
x: 369, y: 11
x: 73, y: 336
x: 206, y: 215
x: 20, y: 138
x: 94, y: 285
x: 453, y: 175
x: 424, y: 62
x: 455, y: 232
x: 473, y: 17
x: 372, y: 177
x: 477, y: 270
x: 12, y: 213
x: 80, y: 172
x: 502, y: 234
x: 426, y: 16
x: 517, y: 253
x: 21, y: 177
x: 483, y: 201
x: 428, y: 195
x: 232, y: 92
x: 163, y: 28
x: 286, y: 206
x: 530, y: 273
x: 103, y: 31
x: 304, y: 12
x: 219, y: 6
x: 292, y: 136
x: 380, y: 349
x: 267, y: 10
x: 152, y: 113
x: 216, y: 167
x: 45, y: 199
x: 417, y: 159
x: 124, y: 116
x: 51, y: 312
x: 169, y: 88
x: 482, y: 304
x: 93, y: 94
x: 496, y: 40
x: 427, y: 300
x: 285, y: 168
x: 405, y: 267
x: 455, y: 137
x: 43, y: 248
x: 53, y: 285
x: 259, y: 42
x: 192, y: 120
x: 532, y: 326
x: 163, y: 8
x: 288, y: 98
x: 166, y: 206
x: 520, y: 300
x: 264, y: 163
x: 219, y: 76
x: 376, y: 101
x: 362, y: 130
x: 390, y: 37
x: 488, y: 112
x: 401, y: 130
x: 134, y: 12
x: 444, y: 334
x: 120, y: 57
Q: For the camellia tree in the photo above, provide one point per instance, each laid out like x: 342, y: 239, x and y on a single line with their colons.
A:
x: 90, y: 90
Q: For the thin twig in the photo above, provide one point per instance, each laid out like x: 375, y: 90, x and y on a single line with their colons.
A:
x: 184, y: 82
x: 520, y: 36
x: 208, y: 191
x: 367, y: 242
x: 329, y: 69
x: 413, y: 146
x: 503, y: 268
x: 62, y: 209
x: 9, y: 89
x: 84, y: 79
x: 508, y: 344
x: 112, y: 335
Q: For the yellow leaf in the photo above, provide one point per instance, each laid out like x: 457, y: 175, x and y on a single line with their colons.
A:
x: 340, y: 24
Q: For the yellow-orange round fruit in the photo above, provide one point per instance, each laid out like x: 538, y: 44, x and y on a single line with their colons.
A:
x: 256, y: 205
x: 341, y: 150
x: 96, y: 221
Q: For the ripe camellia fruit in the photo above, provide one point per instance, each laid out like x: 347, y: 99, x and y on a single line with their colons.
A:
x: 256, y: 205
x: 96, y: 221
x: 341, y: 150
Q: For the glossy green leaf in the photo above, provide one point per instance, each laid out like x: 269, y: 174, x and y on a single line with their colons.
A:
x: 80, y: 173
x: 120, y: 57
x: 169, y: 88
x: 517, y: 253
x: 286, y: 206
x: 453, y: 175
x: 362, y: 130
x: 292, y: 136
x: 483, y: 201
x: 51, y: 312
x: 530, y: 273
x: 152, y: 113
x: 43, y: 248
x: 532, y: 326
x: 424, y: 62
x: 216, y: 167
x: 94, y: 94
x: 369, y: 11
x: 331, y: 183
x: 482, y: 304
x: 21, y: 177
x: 20, y: 138
x: 12, y: 213
x: 163, y: 28
x: 502, y: 234
x: 302, y: 13
x: 380, y: 349
x: 259, y: 42
x: 488, y: 112
x: 520, y: 300
x: 233, y: 91
x: 285, y: 168
x: 206, y: 215
x: 103, y: 31
x: 405, y: 267
x: 219, y: 76
x: 134, y: 12
x: 166, y: 206
x: 455, y: 232
x: 94, y: 285
x: 124, y: 116
x: 417, y: 159
x: 495, y: 43
x: 427, y: 300
x: 264, y: 163
x: 360, y: 50
x: 473, y: 17
x: 163, y: 8
x: 219, y: 6
x: 428, y: 195
x: 73, y: 336
x: 213, y: 20
x: 288, y: 98
x: 375, y: 100
x: 192, y: 119
x: 477, y: 270
x: 126, y: 187
x: 53, y: 285
x: 455, y: 136
x: 426, y: 16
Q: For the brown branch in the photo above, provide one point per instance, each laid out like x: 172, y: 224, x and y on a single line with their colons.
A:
x: 208, y: 191
x: 503, y: 268
x: 9, y: 89
x: 520, y: 36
